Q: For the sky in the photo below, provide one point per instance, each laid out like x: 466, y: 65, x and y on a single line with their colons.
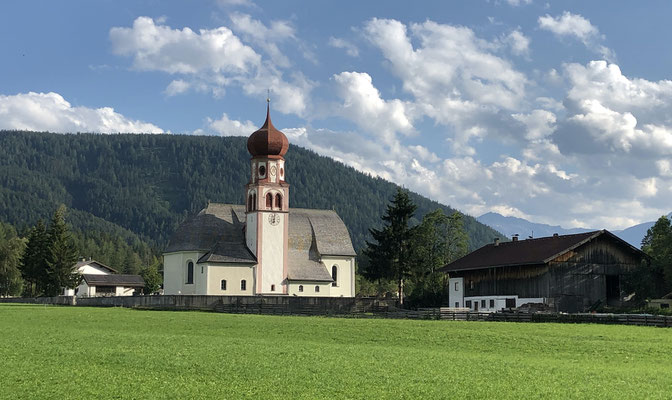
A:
x: 556, y: 112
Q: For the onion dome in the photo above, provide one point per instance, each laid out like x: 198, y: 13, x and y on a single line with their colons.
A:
x: 267, y: 141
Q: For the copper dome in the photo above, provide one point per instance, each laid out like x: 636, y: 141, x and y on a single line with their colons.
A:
x: 267, y: 141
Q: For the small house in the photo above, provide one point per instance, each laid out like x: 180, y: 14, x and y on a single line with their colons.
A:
x: 99, y: 279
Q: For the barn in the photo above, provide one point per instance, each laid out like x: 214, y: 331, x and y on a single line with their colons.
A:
x: 568, y: 273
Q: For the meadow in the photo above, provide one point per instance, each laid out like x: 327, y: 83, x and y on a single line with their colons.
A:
x: 74, y: 352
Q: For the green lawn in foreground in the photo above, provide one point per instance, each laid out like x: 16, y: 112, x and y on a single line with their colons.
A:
x: 73, y: 352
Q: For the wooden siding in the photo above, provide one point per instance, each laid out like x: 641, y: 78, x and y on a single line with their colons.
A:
x: 572, y: 282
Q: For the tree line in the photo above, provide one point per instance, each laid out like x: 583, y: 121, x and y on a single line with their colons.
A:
x: 42, y: 262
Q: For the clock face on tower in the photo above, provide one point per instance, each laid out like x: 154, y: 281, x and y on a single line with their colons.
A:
x: 273, y: 219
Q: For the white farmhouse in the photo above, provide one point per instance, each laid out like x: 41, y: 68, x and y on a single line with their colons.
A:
x: 100, y: 280
x: 263, y: 247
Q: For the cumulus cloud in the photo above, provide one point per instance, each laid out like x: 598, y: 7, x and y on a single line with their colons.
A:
x: 51, y: 112
x: 518, y: 42
x: 212, y: 59
x: 350, y: 49
x: 225, y: 126
x: 578, y: 27
x: 516, y: 3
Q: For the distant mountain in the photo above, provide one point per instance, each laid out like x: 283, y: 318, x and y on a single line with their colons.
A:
x: 512, y: 225
x: 524, y: 228
x: 635, y: 234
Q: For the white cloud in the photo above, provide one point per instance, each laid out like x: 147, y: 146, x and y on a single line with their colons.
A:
x: 212, y: 59
x: 225, y: 126
x: 160, y: 48
x: 516, y: 3
x: 519, y: 43
x: 266, y: 36
x: 575, y: 25
x: 51, y: 112
x: 350, y: 49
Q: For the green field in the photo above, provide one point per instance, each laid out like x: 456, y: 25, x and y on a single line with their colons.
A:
x: 71, y: 352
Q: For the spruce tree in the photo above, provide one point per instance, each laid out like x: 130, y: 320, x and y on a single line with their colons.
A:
x: 11, y: 248
x: 61, y: 258
x: 390, y: 255
x: 34, y: 261
x: 152, y: 277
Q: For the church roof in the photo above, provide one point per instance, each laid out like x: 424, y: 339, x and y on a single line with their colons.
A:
x: 218, y: 231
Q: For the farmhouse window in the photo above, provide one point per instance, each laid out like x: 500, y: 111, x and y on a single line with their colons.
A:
x: 492, y: 303
x: 457, y: 304
x: 243, y: 285
x: 190, y: 273
x: 482, y: 303
x: 223, y: 284
x: 300, y: 288
x: 471, y: 284
x: 468, y: 304
x: 457, y: 287
x: 317, y: 289
x: 511, y: 303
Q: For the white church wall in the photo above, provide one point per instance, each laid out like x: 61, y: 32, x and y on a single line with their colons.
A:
x: 234, y: 274
x: 175, y: 274
x: 272, y: 251
x: 309, y: 289
x: 345, y: 277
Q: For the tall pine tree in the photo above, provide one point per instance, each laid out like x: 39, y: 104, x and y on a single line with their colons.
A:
x: 61, y: 258
x: 34, y: 261
x: 11, y: 248
x: 390, y: 255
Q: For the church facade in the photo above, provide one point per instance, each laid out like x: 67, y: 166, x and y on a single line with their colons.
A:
x: 263, y: 247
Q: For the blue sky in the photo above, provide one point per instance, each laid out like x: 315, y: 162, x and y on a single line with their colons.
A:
x: 558, y: 112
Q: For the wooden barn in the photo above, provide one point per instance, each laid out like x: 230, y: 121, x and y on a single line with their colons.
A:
x: 568, y: 273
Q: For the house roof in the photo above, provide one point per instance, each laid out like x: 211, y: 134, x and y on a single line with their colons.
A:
x: 218, y: 231
x: 527, y: 252
x: 96, y: 263
x: 114, y: 280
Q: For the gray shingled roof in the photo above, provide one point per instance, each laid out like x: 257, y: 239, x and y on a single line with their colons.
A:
x: 218, y: 231
x: 114, y: 280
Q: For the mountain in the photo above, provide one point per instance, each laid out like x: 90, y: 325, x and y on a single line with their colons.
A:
x: 512, y: 225
x: 143, y: 186
x: 636, y: 233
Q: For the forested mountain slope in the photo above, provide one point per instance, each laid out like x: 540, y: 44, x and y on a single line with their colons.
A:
x: 142, y: 186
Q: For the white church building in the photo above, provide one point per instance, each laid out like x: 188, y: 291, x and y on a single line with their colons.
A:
x: 263, y: 247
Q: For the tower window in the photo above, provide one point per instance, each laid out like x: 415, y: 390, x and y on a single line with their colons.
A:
x: 272, y: 288
x: 243, y: 285
x: 254, y: 201
x: 334, y: 275
x: 262, y: 171
x: 269, y: 201
x: 190, y: 273
x: 278, y: 201
x: 249, y: 202
x: 223, y: 284
x: 317, y: 289
x: 300, y: 288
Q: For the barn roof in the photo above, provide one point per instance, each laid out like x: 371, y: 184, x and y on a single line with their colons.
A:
x: 114, y: 280
x: 527, y: 252
x: 218, y: 231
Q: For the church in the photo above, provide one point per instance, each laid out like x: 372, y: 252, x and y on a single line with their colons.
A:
x: 263, y: 247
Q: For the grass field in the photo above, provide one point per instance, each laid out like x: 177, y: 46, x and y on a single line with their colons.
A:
x: 71, y: 352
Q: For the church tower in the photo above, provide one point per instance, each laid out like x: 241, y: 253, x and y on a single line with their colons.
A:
x: 267, y: 208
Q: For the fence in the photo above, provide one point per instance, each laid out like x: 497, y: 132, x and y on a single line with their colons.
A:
x: 335, y: 306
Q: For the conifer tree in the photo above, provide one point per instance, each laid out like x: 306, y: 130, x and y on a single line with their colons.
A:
x: 11, y: 248
x: 61, y: 258
x: 390, y: 255
x: 34, y: 261
x: 152, y: 277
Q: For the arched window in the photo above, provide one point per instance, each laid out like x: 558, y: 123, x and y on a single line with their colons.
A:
x: 249, y: 202
x: 300, y: 288
x: 317, y: 289
x: 272, y: 288
x: 223, y: 284
x: 243, y: 285
x: 190, y: 273
x: 269, y: 201
x: 334, y: 275
x: 278, y: 201
x: 254, y: 201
